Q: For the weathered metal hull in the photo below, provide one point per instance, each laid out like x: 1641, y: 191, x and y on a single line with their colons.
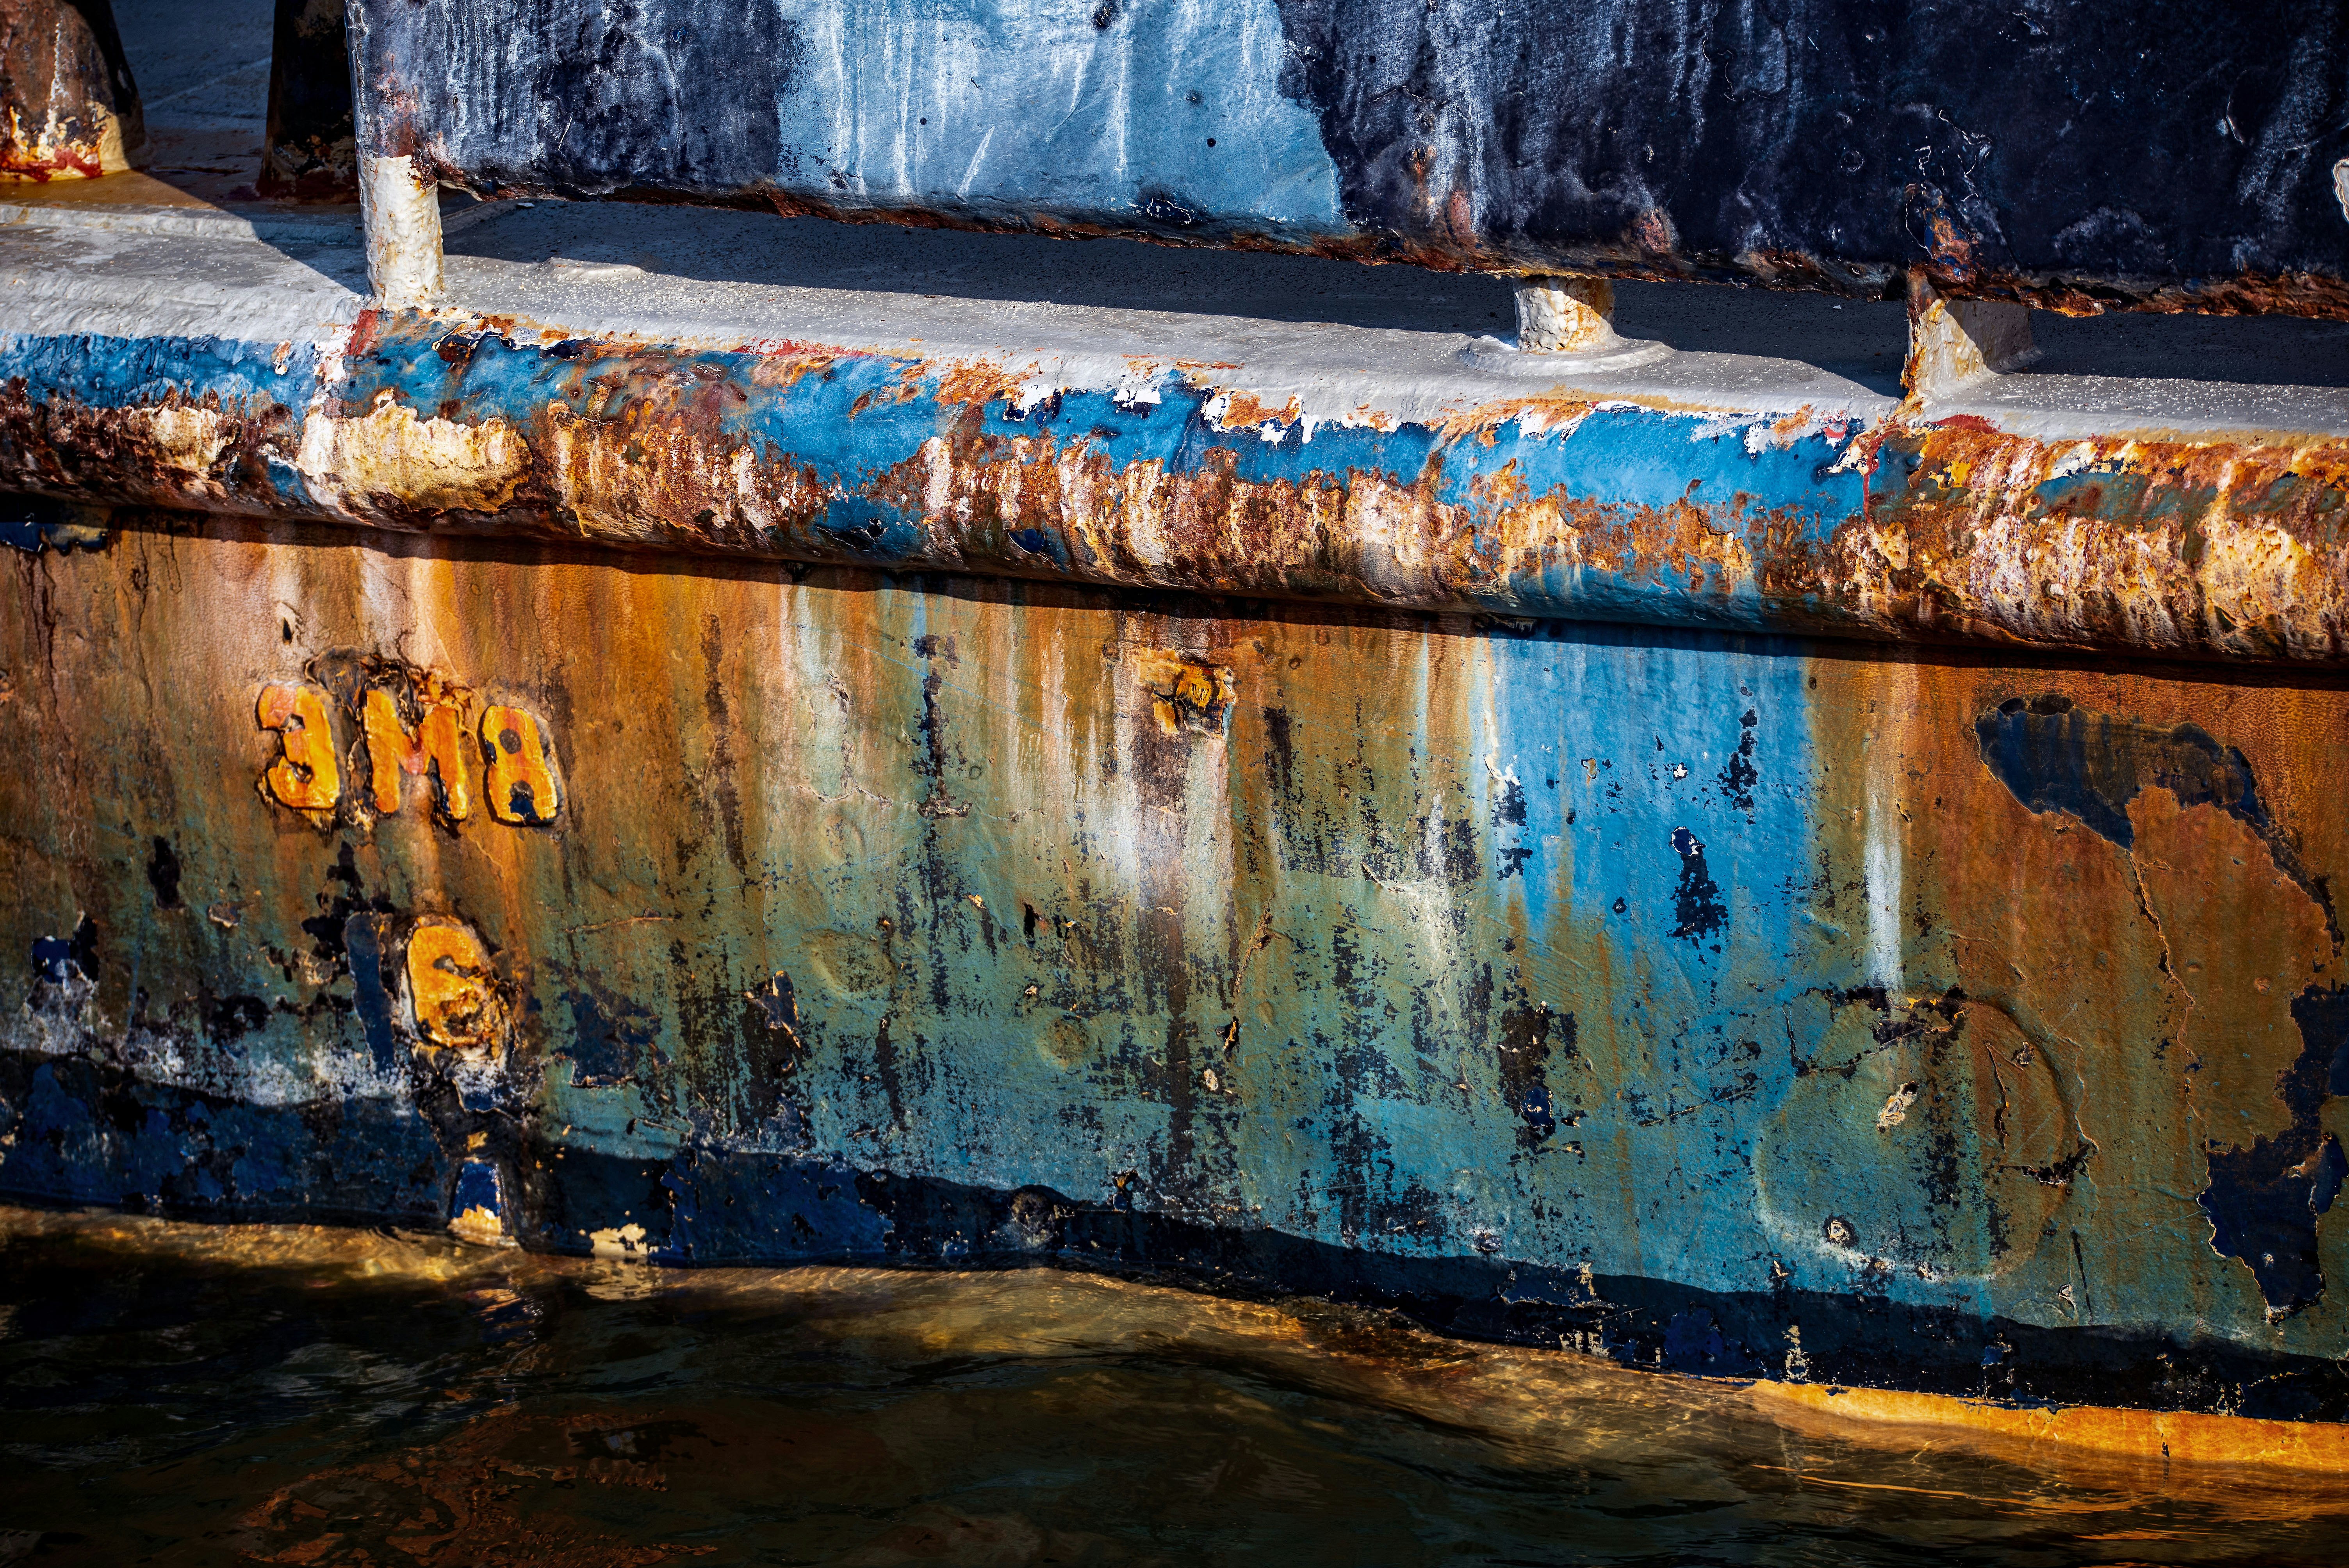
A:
x: 2080, y: 156
x: 790, y: 783
x: 1732, y: 1004
x: 1618, y: 503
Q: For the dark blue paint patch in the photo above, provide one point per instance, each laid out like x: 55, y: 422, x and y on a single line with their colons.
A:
x: 1528, y: 1036
x: 2265, y: 1200
x: 1510, y: 852
x: 869, y: 528
x: 1697, y: 909
x: 1693, y: 1342
x: 33, y: 523
x: 478, y: 1186
x: 565, y: 1200
x: 608, y: 1038
x: 1739, y: 774
x: 364, y: 937
x: 733, y: 1208
x: 2054, y: 756
x: 57, y: 959
x: 89, y: 1132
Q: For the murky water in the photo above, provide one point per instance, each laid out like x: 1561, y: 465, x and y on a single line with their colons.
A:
x: 186, y: 1394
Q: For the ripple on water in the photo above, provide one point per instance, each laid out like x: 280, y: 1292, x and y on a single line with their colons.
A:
x: 196, y: 1394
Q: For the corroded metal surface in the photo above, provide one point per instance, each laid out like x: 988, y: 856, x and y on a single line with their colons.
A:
x: 2080, y: 156
x: 310, y: 152
x: 68, y: 108
x: 1957, y: 1023
x: 1540, y: 502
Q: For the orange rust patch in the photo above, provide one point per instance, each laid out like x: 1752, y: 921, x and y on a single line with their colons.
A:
x: 974, y: 383
x: 2235, y: 547
x: 1245, y: 410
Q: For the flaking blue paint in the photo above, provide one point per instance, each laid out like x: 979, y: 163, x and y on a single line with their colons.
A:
x: 854, y: 418
x: 107, y: 371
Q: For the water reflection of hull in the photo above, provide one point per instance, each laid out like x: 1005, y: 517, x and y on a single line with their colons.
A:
x: 1745, y: 1006
x: 524, y: 1407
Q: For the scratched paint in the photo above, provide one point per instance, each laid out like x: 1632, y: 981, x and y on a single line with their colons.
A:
x: 2083, y: 157
x: 1946, y: 1023
x: 1535, y: 504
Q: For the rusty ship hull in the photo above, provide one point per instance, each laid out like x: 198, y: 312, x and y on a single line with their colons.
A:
x: 676, y: 734
x: 1709, y: 994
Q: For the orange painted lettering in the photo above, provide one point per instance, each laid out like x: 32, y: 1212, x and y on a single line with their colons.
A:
x: 521, y: 784
x: 304, y: 775
x: 437, y: 748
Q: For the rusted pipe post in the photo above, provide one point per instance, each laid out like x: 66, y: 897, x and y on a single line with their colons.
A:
x: 401, y: 209
x: 68, y: 108
x: 399, y: 201
x: 1953, y: 341
x: 1566, y: 314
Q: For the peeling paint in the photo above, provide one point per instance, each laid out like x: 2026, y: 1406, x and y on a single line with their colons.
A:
x: 1947, y: 529
x: 305, y: 776
x: 452, y: 985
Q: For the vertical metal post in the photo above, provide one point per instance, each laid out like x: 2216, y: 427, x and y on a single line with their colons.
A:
x: 308, y: 153
x: 1954, y: 341
x: 400, y: 203
x: 68, y: 106
x: 1565, y: 314
x: 401, y: 211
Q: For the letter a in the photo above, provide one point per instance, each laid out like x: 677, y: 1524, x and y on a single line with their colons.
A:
x: 522, y: 785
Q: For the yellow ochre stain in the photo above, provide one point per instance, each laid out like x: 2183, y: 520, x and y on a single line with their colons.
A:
x: 2181, y: 1435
